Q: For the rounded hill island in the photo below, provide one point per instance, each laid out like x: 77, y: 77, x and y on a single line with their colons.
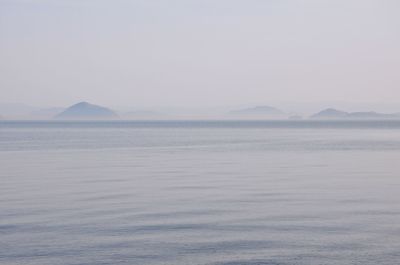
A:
x: 86, y: 111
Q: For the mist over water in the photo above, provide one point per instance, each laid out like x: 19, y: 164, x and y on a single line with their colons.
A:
x: 293, y: 191
x: 212, y: 193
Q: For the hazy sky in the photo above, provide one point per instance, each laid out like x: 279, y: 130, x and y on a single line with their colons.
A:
x: 198, y: 53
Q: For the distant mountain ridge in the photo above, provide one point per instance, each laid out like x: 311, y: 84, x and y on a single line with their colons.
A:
x: 16, y: 110
x: 46, y: 113
x: 86, y: 111
x: 141, y: 115
x: 331, y: 113
x: 259, y: 112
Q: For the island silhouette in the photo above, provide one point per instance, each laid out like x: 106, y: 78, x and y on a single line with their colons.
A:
x: 332, y: 113
x: 86, y: 111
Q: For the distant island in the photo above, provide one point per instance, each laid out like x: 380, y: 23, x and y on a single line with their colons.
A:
x: 142, y: 115
x: 338, y: 114
x: 86, y: 111
x: 295, y: 117
x: 258, y: 112
x: 46, y: 113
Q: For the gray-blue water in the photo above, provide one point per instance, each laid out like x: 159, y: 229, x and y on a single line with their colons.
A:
x: 218, y: 193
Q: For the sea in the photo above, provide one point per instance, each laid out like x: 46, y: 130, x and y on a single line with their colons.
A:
x: 200, y: 192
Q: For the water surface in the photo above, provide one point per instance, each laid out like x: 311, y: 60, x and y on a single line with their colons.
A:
x: 204, y: 192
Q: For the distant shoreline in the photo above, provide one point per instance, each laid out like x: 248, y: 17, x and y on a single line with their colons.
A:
x: 200, y: 124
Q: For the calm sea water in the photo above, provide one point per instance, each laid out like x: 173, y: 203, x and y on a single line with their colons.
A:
x: 206, y: 192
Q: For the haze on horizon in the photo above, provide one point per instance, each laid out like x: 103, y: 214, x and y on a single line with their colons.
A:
x: 183, y: 53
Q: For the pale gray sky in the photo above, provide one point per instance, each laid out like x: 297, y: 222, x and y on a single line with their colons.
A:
x: 198, y: 53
